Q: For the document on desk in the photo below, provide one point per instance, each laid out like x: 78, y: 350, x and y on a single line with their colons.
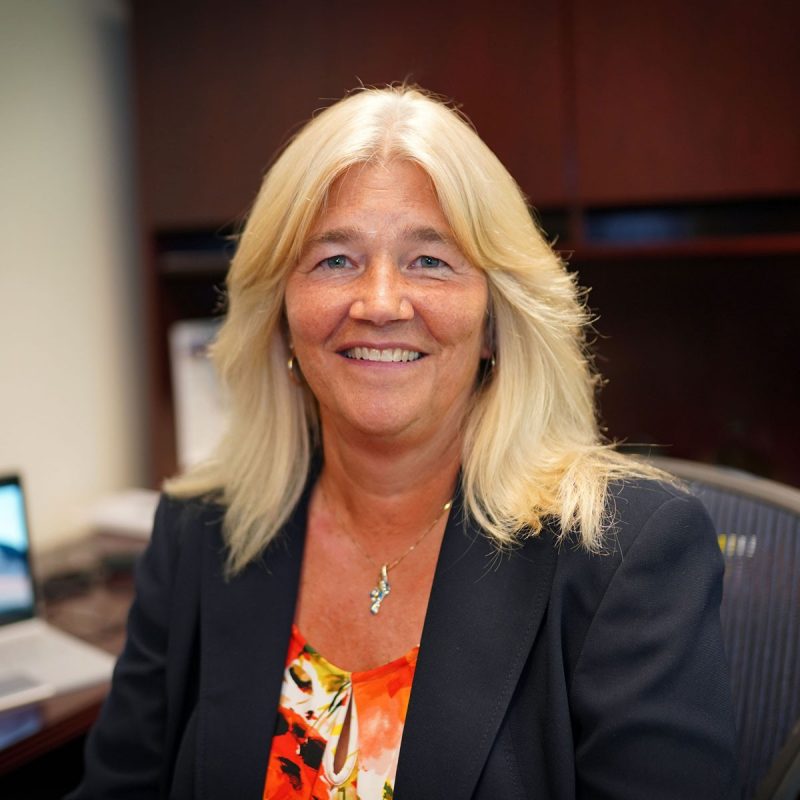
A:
x: 200, y: 414
x: 19, y: 689
x: 36, y: 660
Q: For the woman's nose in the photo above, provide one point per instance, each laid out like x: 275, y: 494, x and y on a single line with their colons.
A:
x: 381, y: 295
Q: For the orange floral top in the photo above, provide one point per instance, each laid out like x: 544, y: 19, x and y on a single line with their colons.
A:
x: 315, y: 699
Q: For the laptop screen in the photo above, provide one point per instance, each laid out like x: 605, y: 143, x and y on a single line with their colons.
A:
x: 17, y: 599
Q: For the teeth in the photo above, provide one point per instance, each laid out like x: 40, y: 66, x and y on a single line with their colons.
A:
x: 372, y: 354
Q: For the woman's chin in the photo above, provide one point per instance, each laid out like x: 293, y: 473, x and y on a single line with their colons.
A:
x: 380, y: 424
x: 379, y: 428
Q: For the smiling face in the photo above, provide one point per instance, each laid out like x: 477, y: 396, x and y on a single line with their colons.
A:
x: 386, y: 316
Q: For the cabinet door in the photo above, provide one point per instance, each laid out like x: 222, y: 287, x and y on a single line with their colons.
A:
x: 681, y: 101
x: 502, y: 64
x: 221, y: 87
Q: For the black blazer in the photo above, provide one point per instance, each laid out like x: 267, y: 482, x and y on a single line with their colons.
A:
x: 544, y: 673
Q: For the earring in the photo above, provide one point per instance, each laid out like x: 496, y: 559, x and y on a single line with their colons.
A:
x: 488, y: 369
x: 294, y: 373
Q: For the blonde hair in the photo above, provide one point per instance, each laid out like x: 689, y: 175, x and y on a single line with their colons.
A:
x: 531, y: 449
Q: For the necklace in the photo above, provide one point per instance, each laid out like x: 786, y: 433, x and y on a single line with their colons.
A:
x: 378, y: 594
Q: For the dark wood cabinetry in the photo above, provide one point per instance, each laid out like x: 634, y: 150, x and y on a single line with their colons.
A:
x: 658, y: 142
x: 686, y: 101
x: 222, y: 86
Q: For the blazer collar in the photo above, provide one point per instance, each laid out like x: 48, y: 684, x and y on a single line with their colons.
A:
x: 483, y: 616
x: 245, y: 628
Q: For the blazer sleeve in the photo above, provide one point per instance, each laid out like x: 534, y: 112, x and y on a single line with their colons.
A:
x: 650, y: 695
x: 125, y: 750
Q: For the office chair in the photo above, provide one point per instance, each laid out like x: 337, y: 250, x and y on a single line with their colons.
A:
x: 758, y: 523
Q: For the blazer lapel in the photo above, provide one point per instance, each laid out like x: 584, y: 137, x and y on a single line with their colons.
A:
x: 245, y: 628
x: 483, y: 616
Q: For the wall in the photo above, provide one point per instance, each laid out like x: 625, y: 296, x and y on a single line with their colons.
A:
x: 71, y: 417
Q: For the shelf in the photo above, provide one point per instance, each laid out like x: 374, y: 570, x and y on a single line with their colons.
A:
x: 702, y: 247
x: 194, y: 263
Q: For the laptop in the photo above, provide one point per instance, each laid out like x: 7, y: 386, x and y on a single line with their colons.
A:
x: 37, y: 660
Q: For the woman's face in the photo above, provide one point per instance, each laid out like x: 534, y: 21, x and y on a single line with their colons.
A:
x: 386, y: 316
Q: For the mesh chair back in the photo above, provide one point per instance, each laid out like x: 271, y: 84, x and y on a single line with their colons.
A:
x: 758, y: 523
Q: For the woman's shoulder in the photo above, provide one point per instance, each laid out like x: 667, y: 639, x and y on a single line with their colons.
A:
x: 641, y: 497
x: 183, y: 520
x: 650, y: 507
x: 660, y: 543
x: 650, y: 522
x: 191, y: 505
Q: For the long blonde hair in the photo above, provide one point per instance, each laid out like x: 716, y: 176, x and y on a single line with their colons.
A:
x: 532, y: 448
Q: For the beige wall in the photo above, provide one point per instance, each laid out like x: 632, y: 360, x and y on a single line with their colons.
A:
x: 71, y: 400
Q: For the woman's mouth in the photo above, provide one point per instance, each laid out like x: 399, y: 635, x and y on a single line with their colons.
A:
x: 390, y: 354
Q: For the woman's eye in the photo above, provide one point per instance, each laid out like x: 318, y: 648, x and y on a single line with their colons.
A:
x: 334, y: 262
x: 429, y: 262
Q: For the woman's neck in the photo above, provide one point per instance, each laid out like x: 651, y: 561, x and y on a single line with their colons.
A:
x: 381, y: 489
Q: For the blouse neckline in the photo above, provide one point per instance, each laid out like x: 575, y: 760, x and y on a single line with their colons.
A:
x: 358, y: 676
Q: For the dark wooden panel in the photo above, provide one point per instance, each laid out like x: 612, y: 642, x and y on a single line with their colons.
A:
x: 501, y: 63
x: 701, y: 357
x: 686, y: 100
x: 218, y: 92
x: 221, y: 85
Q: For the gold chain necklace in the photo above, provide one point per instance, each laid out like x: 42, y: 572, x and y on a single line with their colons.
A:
x: 378, y: 594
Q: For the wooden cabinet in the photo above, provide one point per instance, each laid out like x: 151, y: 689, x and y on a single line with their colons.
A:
x: 586, y: 103
x: 673, y: 126
x: 686, y: 101
x: 222, y: 86
x: 700, y: 356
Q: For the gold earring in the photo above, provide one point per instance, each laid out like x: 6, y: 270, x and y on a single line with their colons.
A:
x: 488, y: 367
x: 294, y: 374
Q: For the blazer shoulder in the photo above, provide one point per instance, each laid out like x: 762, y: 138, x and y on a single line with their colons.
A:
x: 644, y: 517
x: 644, y: 505
x: 656, y: 529
x: 185, y: 523
x: 179, y: 513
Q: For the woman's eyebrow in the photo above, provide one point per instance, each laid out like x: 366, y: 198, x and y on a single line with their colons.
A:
x: 334, y: 236
x: 428, y: 234
x: 347, y: 234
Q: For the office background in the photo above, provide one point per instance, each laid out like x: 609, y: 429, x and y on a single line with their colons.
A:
x: 72, y: 417
x: 658, y: 143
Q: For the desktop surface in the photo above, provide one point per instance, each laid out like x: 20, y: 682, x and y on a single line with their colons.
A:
x: 91, y: 604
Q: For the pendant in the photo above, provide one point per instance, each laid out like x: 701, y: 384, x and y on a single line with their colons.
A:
x: 378, y: 594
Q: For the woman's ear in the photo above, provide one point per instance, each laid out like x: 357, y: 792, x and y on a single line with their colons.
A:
x: 488, y: 344
x: 283, y: 327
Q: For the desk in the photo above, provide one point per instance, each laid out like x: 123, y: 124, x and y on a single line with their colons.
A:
x: 97, y: 614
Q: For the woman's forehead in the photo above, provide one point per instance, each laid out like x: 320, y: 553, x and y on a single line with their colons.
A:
x: 370, y: 196
x: 380, y: 177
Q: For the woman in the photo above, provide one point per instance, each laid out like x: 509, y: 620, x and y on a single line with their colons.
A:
x: 412, y: 530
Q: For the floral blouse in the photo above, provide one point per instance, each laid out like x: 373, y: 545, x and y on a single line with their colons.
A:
x: 315, y: 699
